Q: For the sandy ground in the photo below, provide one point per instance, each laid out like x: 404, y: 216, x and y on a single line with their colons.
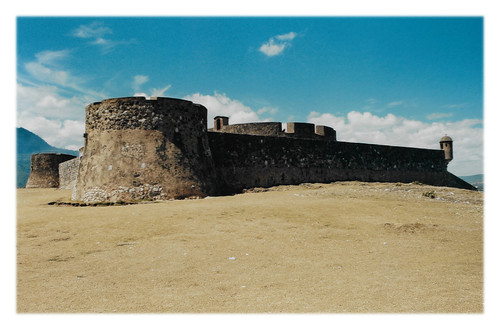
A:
x: 329, y: 248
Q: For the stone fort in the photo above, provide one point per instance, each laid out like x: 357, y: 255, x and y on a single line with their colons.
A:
x: 160, y: 148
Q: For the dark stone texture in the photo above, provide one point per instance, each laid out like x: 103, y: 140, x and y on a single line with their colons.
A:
x: 145, y: 149
x: 45, y: 170
x: 245, y: 161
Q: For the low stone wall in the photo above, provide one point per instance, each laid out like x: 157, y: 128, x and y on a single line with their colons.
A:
x: 68, y: 173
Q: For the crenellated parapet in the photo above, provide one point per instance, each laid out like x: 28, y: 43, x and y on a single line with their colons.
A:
x: 293, y: 129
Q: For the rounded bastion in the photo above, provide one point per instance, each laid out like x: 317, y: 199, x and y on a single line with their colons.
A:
x: 145, y: 149
x: 44, y: 171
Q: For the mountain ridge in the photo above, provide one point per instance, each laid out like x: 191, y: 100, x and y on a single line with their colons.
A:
x: 477, y: 180
x: 27, y: 144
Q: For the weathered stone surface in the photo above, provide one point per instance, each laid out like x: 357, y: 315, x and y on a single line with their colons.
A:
x: 293, y: 130
x: 145, y: 149
x: 266, y: 129
x: 68, y: 173
x: 45, y: 170
x: 245, y: 161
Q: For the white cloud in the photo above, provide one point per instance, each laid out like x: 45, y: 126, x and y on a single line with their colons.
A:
x: 221, y: 105
x: 58, y: 133
x: 141, y: 94
x: 438, y: 115
x: 392, y: 130
x: 56, y: 119
x: 269, y: 110
x: 287, y: 36
x: 276, y: 45
x: 160, y: 92
x: 46, y: 101
x: 52, y: 57
x: 95, y: 33
x: 45, y: 74
x: 139, y: 80
x: 454, y: 106
x: 272, y: 49
x: 47, y: 70
x: 395, y: 103
x: 155, y: 92
x: 91, y: 31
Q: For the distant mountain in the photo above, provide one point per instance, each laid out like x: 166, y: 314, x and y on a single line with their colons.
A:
x: 475, y: 180
x: 29, y: 143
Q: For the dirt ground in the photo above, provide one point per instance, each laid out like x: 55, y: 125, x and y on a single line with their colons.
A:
x: 332, y: 248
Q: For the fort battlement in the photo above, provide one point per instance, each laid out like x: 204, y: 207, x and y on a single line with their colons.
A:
x: 293, y: 129
x: 160, y: 148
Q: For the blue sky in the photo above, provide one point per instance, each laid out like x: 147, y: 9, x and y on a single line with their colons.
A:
x: 387, y: 80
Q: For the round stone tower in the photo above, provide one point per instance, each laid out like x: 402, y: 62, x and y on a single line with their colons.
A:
x: 446, y: 144
x: 44, y: 172
x: 139, y: 149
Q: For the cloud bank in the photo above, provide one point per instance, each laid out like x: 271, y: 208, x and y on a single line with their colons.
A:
x: 56, y: 119
x: 221, y: 105
x: 365, y: 127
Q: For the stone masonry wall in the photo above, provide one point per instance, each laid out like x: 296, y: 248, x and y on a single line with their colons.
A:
x: 145, y: 149
x: 244, y: 161
x: 294, y: 130
x: 68, y: 173
x: 265, y: 128
x: 44, y: 171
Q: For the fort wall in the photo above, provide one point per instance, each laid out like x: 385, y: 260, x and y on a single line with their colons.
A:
x: 138, y: 149
x: 145, y: 149
x: 44, y: 171
x: 245, y: 161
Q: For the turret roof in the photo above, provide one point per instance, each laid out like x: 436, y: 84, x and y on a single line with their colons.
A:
x: 446, y: 138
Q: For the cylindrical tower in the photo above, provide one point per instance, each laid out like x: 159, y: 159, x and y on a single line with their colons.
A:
x: 44, y: 171
x: 145, y: 149
x: 446, y: 144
